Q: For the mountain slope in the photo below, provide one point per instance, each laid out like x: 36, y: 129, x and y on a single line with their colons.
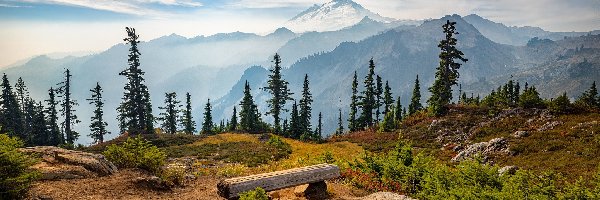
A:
x: 513, y: 35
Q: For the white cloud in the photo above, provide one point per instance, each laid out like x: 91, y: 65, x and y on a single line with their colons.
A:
x: 132, y: 7
x: 273, y: 3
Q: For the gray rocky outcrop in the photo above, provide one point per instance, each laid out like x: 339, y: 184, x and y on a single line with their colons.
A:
x: 483, y: 149
x: 58, y: 163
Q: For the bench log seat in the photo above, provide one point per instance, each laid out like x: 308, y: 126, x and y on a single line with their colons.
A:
x: 231, y: 188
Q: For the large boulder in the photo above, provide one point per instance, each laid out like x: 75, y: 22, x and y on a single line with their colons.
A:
x: 57, y: 163
x: 483, y: 149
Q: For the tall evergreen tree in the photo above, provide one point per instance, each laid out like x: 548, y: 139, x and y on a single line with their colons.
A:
x: 447, y: 71
x: 207, y: 126
x: 305, y: 107
x: 368, y: 97
x: 187, y: 120
x: 22, y: 93
x: 98, y: 125
x: 340, y: 129
x: 55, y: 137
x: 39, y: 129
x: 388, y: 100
x: 415, y: 101
x: 249, y: 116
x: 319, y: 132
x: 234, y: 123
x: 170, y: 113
x: 378, y: 99
x: 68, y: 109
x: 295, y: 127
x: 280, y: 93
x: 135, y: 110
x: 398, y: 110
x: 11, y: 117
x: 148, y: 117
x: 285, y: 128
x: 352, y: 121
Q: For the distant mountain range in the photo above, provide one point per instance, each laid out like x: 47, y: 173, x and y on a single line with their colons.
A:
x: 217, y: 66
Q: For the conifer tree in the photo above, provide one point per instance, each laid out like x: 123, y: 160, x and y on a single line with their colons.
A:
x: 319, y: 131
x: 378, y: 99
x: 55, y: 137
x: 207, y: 126
x: 388, y: 100
x: 305, y: 107
x: 39, y: 129
x: 340, y: 129
x: 415, y: 101
x: 11, y: 117
x: 280, y: 93
x: 68, y: 109
x: 136, y: 110
x: 589, y: 98
x: 233, y: 123
x: 22, y: 93
x: 388, y: 124
x: 98, y: 125
x: 170, y: 113
x: 249, y: 116
x: 447, y: 72
x: 352, y: 122
x: 368, y: 98
x: 187, y: 120
x: 398, y: 110
x: 285, y: 130
x: 28, y: 122
x: 531, y: 99
x: 295, y: 127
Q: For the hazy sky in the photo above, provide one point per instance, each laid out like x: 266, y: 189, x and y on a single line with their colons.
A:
x: 34, y: 27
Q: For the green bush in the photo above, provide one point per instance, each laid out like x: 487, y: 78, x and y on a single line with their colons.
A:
x: 422, y: 177
x: 279, y: 144
x: 256, y: 194
x: 136, y: 153
x: 15, y: 175
x: 561, y: 105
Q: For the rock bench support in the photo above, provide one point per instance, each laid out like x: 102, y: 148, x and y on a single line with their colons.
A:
x: 230, y: 188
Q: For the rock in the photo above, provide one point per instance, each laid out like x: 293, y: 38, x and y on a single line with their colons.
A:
x: 520, y: 134
x: 316, y: 190
x: 584, y: 125
x: 484, y: 149
x: 58, y: 163
x: 386, y: 196
x: 549, y: 125
x: 508, y: 170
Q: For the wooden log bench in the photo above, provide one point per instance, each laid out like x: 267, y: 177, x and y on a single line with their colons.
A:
x: 313, y: 175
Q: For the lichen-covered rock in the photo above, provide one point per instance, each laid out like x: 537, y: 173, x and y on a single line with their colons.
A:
x: 520, y: 134
x: 549, y: 125
x: 484, y: 149
x: 57, y: 163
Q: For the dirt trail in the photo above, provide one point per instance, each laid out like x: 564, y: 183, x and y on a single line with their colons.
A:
x: 123, y: 185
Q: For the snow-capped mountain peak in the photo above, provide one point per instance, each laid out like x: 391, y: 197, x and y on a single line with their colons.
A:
x: 330, y: 16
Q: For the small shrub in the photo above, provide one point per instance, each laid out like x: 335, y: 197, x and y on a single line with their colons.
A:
x: 327, y: 157
x: 277, y: 142
x: 136, y: 152
x: 15, y: 175
x: 173, y: 176
x: 256, y: 194
x: 234, y: 170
